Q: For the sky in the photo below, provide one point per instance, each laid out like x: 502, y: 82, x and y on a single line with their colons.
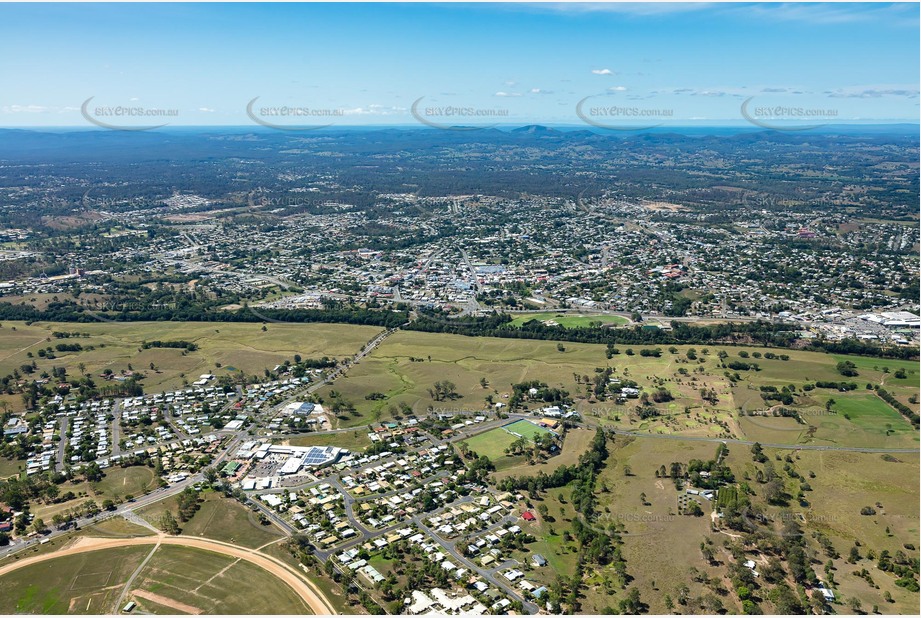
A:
x: 610, y: 65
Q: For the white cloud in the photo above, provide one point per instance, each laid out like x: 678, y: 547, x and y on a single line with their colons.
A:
x: 872, y: 93
x: 831, y: 12
x: 507, y: 94
x: 205, y: 109
x: 603, y: 72
x: 374, y: 110
x: 25, y: 109
x: 617, y: 88
x: 623, y: 8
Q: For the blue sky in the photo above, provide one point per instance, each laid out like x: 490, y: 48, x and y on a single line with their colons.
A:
x: 368, y: 63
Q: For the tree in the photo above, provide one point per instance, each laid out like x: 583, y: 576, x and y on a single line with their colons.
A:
x: 847, y: 368
x: 210, y: 475
x: 855, y: 604
x: 93, y: 472
x: 39, y: 525
x: 168, y: 524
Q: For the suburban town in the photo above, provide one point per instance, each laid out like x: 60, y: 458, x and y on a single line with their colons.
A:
x: 460, y: 309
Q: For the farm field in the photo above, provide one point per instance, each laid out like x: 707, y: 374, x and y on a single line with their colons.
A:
x: 86, y: 583
x: 223, y: 347
x: 570, y: 320
x: 188, y: 580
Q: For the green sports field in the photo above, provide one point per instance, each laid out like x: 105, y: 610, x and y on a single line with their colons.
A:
x: 525, y: 428
x: 570, y: 320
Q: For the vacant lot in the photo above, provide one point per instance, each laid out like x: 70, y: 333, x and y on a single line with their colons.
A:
x: 355, y: 441
x: 222, y: 347
x: 659, y: 544
x: 227, y: 520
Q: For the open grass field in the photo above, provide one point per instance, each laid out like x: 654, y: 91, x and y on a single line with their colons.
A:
x: 188, y: 581
x: 862, y: 419
x: 87, y: 583
x: 492, y: 444
x: 117, y: 484
x: 120, y: 482
x: 153, y: 512
x: 773, y: 429
x: 577, y: 441
x: 117, y: 527
x: 227, y: 520
x: 844, y: 483
x: 232, y: 345
x: 659, y: 545
x: 570, y: 320
x: 502, y: 362
x: 355, y: 441
x: 10, y: 467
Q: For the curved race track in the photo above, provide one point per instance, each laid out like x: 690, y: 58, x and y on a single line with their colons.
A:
x: 313, y: 597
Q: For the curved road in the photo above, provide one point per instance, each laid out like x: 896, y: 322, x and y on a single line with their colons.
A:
x: 306, y: 590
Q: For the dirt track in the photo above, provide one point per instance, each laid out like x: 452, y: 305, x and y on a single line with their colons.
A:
x: 307, y: 591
